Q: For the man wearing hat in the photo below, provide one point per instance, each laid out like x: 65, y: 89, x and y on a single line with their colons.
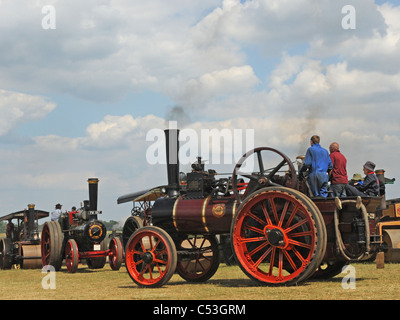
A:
x: 370, y: 186
x: 56, y: 213
x: 356, y: 178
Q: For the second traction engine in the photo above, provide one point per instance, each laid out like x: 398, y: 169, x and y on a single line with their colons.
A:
x: 83, y: 224
x: 78, y: 235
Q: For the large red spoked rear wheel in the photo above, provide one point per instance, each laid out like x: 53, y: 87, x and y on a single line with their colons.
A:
x: 71, y: 256
x: 150, y: 257
x: 278, y: 237
x: 116, y: 253
x: 51, y: 243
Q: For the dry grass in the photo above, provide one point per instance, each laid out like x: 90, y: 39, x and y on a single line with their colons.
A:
x: 229, y: 283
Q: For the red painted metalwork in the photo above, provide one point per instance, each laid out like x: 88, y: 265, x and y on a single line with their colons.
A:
x: 150, y: 257
x: 115, y: 254
x: 71, y: 256
x: 274, y: 237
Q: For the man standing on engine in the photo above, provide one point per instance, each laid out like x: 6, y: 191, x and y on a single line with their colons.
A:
x: 338, y: 174
x: 318, y: 163
x: 56, y: 213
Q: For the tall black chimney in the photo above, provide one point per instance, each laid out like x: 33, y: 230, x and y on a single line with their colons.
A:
x: 31, y: 222
x: 172, y: 149
x: 93, y: 191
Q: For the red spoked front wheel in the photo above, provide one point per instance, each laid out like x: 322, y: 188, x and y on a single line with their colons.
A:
x: 71, y: 256
x: 278, y: 237
x: 116, y: 253
x: 150, y: 257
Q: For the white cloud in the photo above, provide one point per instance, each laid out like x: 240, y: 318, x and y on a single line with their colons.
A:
x: 233, y: 81
x: 17, y: 108
x: 340, y: 84
x: 100, y: 51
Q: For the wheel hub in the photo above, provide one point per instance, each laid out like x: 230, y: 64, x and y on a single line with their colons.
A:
x: 147, y: 257
x: 276, y: 236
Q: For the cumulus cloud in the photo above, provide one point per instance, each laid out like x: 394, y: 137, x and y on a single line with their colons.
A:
x: 17, y: 108
x: 99, y: 50
x: 220, y: 83
x: 208, y: 57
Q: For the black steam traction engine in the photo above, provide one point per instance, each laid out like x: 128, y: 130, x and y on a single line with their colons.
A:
x: 21, y: 246
x: 279, y: 235
x: 79, y: 235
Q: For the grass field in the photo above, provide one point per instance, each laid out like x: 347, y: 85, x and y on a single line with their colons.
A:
x: 229, y: 283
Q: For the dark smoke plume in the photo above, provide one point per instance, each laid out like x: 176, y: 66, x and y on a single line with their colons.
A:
x: 177, y: 113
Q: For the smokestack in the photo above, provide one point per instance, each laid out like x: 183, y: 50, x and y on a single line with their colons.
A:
x: 31, y: 221
x: 93, y: 191
x: 172, y: 149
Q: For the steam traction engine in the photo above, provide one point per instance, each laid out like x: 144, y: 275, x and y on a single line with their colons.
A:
x: 80, y: 235
x: 279, y: 235
x: 21, y: 246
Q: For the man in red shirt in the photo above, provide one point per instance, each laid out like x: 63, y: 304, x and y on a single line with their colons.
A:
x: 338, y: 175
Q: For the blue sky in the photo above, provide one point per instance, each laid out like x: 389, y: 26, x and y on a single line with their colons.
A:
x: 77, y: 101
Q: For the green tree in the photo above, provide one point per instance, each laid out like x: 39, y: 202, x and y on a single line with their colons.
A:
x: 110, y: 224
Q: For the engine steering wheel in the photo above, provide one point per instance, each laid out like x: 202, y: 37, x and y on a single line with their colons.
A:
x: 263, y: 177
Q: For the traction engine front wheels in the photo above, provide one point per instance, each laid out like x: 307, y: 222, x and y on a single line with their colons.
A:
x: 115, y: 256
x: 150, y: 257
x: 278, y: 236
x: 72, y: 255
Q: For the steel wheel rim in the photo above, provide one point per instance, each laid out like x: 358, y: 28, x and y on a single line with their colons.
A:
x: 274, y: 241
x: 115, y: 254
x: 45, y: 245
x: 147, y: 258
x: 203, y: 261
x: 71, y: 256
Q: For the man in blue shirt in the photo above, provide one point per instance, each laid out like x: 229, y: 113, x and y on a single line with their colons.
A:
x: 318, y: 163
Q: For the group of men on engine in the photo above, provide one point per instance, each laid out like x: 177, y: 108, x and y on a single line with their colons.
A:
x: 324, y: 166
